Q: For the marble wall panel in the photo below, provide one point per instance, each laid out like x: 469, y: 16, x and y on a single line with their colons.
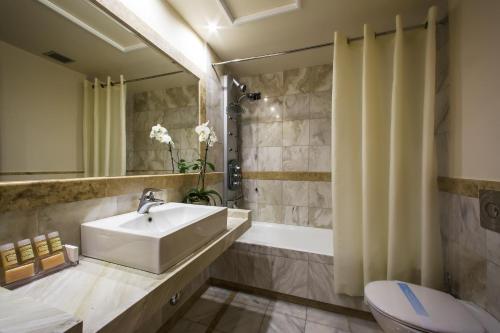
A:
x: 470, y: 252
x: 291, y: 272
x: 291, y: 128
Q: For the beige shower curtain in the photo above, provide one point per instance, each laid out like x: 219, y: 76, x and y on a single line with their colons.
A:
x: 104, y: 146
x: 384, y: 176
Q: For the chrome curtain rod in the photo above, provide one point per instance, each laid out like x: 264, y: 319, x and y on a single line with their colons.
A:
x: 312, y: 47
x: 103, y: 84
x: 150, y: 77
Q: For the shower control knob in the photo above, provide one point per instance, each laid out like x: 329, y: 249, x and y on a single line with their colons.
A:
x: 237, y: 167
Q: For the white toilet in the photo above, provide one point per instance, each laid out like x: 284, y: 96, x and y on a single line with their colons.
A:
x: 404, y: 307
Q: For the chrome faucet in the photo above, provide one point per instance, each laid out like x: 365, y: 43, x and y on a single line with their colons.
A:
x: 148, y: 200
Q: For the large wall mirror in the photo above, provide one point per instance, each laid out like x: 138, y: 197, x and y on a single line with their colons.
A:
x: 79, y: 94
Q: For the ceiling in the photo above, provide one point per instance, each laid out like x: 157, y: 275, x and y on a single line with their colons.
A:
x: 99, y: 45
x: 314, y: 22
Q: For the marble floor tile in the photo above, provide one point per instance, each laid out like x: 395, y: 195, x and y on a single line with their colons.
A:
x: 357, y: 325
x: 185, y: 325
x: 326, y: 318
x: 312, y: 327
x: 248, y: 301
x: 203, y: 311
x: 240, y: 320
x: 286, y: 308
x: 278, y: 323
x: 208, y: 305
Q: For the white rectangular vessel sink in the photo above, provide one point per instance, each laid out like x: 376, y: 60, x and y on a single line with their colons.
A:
x: 155, y: 241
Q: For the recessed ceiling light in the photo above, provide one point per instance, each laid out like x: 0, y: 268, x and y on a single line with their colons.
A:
x: 212, y: 27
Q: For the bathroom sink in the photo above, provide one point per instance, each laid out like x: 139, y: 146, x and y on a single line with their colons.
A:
x: 155, y: 241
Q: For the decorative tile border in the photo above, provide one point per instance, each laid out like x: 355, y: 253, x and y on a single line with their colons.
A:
x: 466, y: 187
x: 33, y: 194
x: 288, y: 175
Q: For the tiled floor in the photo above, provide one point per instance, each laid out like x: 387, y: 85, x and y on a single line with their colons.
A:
x: 221, y: 310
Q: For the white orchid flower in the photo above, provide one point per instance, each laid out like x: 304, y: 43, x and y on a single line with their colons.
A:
x: 160, y: 133
x: 166, y: 139
x: 206, y: 134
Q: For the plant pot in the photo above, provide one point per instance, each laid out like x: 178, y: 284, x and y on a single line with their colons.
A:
x: 200, y: 202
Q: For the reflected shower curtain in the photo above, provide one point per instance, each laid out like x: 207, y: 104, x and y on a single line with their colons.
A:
x: 384, y: 176
x: 104, y: 146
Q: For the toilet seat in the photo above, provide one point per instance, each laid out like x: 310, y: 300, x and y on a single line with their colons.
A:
x: 419, y: 308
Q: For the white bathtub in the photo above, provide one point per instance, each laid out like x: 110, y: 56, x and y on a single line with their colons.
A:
x: 290, y: 237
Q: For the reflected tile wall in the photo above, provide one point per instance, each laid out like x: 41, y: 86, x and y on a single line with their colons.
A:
x: 471, y: 253
x: 177, y: 110
x: 289, y: 129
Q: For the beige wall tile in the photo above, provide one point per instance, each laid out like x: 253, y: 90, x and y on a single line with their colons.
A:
x: 270, y: 159
x: 249, y: 134
x: 320, y: 132
x: 269, y: 192
x: 295, y: 158
x: 295, y: 215
x: 270, y: 109
x: 295, y: 193
x: 270, y: 134
x: 269, y: 213
x: 321, y: 105
x: 66, y: 218
x: 296, y: 107
x: 249, y: 159
x: 250, y: 190
x: 319, y: 159
x: 320, y: 194
x: 320, y: 217
x: 296, y: 133
x: 17, y: 225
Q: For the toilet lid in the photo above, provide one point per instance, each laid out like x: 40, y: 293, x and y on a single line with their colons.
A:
x: 420, y: 307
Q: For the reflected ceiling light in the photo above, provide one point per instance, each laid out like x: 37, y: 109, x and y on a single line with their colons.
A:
x: 212, y: 27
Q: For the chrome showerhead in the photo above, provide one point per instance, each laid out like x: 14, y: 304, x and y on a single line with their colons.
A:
x: 235, y: 108
x: 242, y: 87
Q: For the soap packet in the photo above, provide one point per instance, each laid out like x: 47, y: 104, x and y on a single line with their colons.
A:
x: 34, y: 259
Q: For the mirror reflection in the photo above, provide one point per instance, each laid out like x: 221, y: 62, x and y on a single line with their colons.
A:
x: 80, y: 93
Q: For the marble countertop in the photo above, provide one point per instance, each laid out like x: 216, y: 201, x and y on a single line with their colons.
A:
x: 109, y: 297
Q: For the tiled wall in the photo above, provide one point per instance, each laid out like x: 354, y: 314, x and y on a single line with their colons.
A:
x: 174, y: 108
x: 472, y: 253
x: 67, y: 217
x: 289, y: 129
x: 301, y: 274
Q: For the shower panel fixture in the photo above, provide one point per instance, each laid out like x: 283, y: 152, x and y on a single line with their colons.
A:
x: 234, y: 95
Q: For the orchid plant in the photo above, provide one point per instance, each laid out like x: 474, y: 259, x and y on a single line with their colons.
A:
x: 160, y: 133
x: 200, y: 195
